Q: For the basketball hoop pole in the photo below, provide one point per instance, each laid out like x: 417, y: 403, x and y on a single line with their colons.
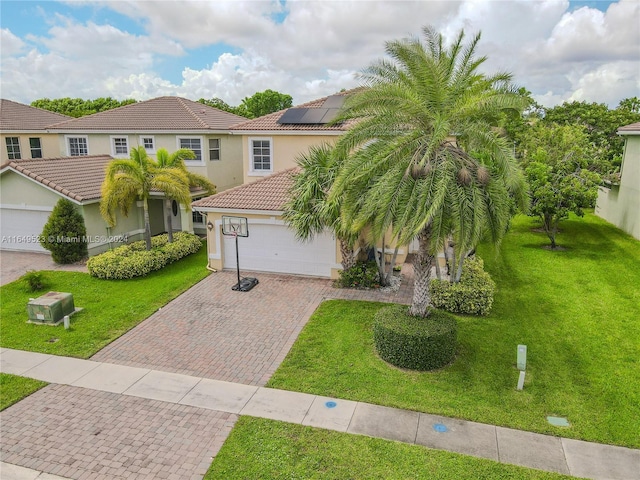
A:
x: 235, y: 234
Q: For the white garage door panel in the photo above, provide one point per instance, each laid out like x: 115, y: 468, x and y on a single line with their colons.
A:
x: 21, y: 229
x: 274, y: 248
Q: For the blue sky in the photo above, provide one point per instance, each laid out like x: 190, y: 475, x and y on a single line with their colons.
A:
x: 559, y: 50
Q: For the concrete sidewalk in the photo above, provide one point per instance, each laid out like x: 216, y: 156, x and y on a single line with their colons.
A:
x: 572, y: 457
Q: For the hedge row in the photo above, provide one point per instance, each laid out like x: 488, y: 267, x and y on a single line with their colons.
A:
x: 472, y: 295
x: 414, y: 342
x: 133, y: 260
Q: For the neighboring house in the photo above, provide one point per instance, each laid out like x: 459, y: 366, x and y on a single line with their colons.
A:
x: 165, y: 122
x: 271, y: 245
x: 29, y: 189
x: 24, y: 132
x: 620, y: 203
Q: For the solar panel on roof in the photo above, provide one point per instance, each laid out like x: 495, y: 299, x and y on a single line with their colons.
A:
x: 293, y: 115
x: 314, y: 115
x: 330, y: 115
x: 334, y: 101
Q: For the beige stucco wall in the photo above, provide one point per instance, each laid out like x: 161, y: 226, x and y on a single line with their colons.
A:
x: 224, y: 173
x: 285, y: 149
x: 16, y: 190
x: 48, y: 142
x: 620, y: 204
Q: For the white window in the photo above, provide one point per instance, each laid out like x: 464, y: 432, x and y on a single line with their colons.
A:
x: 192, y: 143
x: 197, y: 217
x: 77, y: 146
x: 149, y: 143
x: 261, y: 157
x: 120, y: 146
x: 214, y: 149
x: 36, y: 147
x: 13, y: 148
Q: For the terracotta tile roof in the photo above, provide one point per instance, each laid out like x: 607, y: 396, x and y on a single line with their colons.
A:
x: 634, y: 127
x: 270, y: 121
x: 79, y: 178
x: 269, y: 193
x: 18, y: 117
x: 158, y: 114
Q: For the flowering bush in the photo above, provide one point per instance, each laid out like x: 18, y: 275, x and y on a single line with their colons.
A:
x: 133, y: 260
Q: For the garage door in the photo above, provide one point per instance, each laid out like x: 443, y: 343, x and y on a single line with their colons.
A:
x: 21, y: 229
x: 274, y: 248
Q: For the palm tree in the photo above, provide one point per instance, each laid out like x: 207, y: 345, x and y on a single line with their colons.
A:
x: 132, y: 179
x: 308, y: 211
x: 414, y: 155
x: 176, y: 160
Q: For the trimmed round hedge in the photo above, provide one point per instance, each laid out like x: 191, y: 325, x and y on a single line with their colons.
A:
x: 412, y: 342
x: 133, y: 260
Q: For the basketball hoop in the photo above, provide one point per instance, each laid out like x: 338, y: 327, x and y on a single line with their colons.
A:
x: 237, y: 227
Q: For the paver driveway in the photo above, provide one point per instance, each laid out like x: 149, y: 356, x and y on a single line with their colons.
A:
x: 15, y: 264
x: 209, y: 331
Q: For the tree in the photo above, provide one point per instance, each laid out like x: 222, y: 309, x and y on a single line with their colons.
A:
x: 176, y: 160
x: 77, y: 107
x: 221, y: 105
x: 263, y: 103
x: 557, y: 161
x: 65, y: 234
x: 409, y: 157
x: 132, y: 179
x: 600, y: 123
x: 309, y: 210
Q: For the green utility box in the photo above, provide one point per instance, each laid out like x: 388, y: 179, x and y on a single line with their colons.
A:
x: 50, y: 308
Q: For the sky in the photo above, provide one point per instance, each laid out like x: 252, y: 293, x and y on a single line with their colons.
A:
x: 559, y: 50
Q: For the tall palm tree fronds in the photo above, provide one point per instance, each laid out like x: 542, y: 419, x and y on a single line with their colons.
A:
x: 133, y: 179
x: 423, y: 157
x: 308, y: 211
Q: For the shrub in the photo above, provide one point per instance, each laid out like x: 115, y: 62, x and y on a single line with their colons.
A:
x: 416, y: 343
x: 361, y: 275
x: 65, y: 234
x: 472, y: 295
x: 133, y: 260
x: 34, y: 280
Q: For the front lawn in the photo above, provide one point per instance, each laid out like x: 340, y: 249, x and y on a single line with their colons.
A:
x: 14, y: 388
x: 259, y: 448
x: 577, y: 310
x: 111, y: 307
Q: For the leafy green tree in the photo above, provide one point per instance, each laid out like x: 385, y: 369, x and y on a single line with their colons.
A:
x: 557, y: 162
x: 77, y: 107
x: 600, y: 123
x: 409, y: 163
x: 65, y: 234
x: 263, y: 103
x: 309, y: 210
x: 630, y: 105
x: 221, y: 105
x: 132, y: 179
x: 176, y: 160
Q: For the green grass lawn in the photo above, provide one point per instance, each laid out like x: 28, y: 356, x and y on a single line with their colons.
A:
x: 577, y: 310
x: 14, y: 389
x: 111, y: 307
x: 267, y: 449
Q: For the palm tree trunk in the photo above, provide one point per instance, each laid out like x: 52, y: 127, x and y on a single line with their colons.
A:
x: 169, y: 222
x: 348, y: 258
x: 422, y: 266
x: 147, y: 225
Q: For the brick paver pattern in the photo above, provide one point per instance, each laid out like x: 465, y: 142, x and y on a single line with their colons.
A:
x: 86, y: 434
x: 209, y: 331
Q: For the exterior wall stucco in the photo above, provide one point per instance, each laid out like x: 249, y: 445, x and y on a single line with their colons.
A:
x: 224, y: 173
x: 285, y: 149
x: 17, y: 190
x: 48, y: 143
x: 620, y: 204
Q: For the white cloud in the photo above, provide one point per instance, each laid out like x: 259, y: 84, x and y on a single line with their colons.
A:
x: 318, y: 47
